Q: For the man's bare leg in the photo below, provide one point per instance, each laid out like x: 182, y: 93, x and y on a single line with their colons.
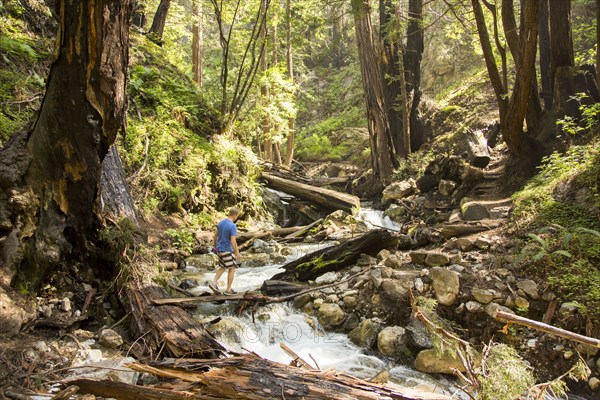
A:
x: 230, y: 275
x: 218, y: 274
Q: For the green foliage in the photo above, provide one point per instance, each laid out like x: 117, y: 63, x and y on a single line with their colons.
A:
x: 120, y: 239
x: 414, y: 165
x: 181, y: 239
x: 568, y: 260
x: 506, y: 374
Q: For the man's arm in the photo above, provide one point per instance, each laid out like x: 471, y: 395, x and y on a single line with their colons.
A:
x: 235, y: 247
x: 214, y: 243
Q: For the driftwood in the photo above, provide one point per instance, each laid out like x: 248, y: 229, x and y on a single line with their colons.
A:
x: 540, y: 326
x: 479, y: 153
x: 327, y: 198
x: 337, y: 257
x: 304, y: 230
x: 250, y: 377
x: 168, y: 326
x: 280, y: 232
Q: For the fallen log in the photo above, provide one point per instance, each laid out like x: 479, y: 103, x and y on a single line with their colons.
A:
x: 458, y: 230
x: 280, y: 232
x: 540, y: 326
x: 250, y: 377
x: 477, y: 147
x: 273, y: 287
x: 168, y: 326
x: 304, y: 230
x: 327, y: 198
x: 334, y: 258
x: 123, y: 391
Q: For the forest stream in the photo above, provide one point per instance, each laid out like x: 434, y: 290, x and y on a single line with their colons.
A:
x: 282, y: 323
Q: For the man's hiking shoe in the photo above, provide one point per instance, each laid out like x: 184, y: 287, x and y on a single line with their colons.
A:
x: 214, y: 288
x: 230, y: 292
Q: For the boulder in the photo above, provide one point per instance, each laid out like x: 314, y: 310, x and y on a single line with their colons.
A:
x: 433, y: 362
x: 393, y: 261
x: 418, y: 256
x: 365, y: 334
x: 484, y: 296
x: 366, y: 260
x: 109, y: 338
x: 395, y: 212
x: 436, y: 259
x: 594, y: 383
x: 350, y: 302
x: 201, y: 261
x: 330, y: 315
x: 399, y: 190
x: 530, y: 288
x: 391, y: 340
x: 492, y: 308
x: 446, y: 187
x: 13, y: 314
x: 465, y: 244
x: 395, y: 290
x: 351, y: 322
x: 474, y: 307
x: 446, y: 285
x: 472, y: 210
x: 427, y: 182
x: 418, y: 336
x: 483, y: 243
x: 327, y: 278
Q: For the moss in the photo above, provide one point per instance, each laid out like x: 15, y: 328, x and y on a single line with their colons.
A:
x: 319, y: 265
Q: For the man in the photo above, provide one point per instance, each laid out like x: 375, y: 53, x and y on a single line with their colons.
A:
x: 225, y: 246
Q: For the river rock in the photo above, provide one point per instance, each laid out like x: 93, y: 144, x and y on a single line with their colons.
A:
x: 474, y: 307
x: 317, y: 303
x: 201, y: 261
x: 365, y: 334
x: 521, y: 302
x: 418, y: 256
x: 465, y: 244
x: 436, y: 259
x: 446, y: 285
x: 393, y: 261
x: 366, y: 260
x: 351, y: 322
x: 395, y: 212
x: 484, y: 296
x: 492, y: 308
x: 110, y: 369
x: 483, y: 243
x: 446, y: 187
x: 395, y: 290
x: 327, y: 278
x: 391, y: 341
x: 13, y: 315
x: 399, y: 190
x: 472, y: 210
x: 432, y: 362
x: 455, y: 217
x: 65, y: 305
x: 109, y: 338
x: 594, y: 383
x: 229, y: 330
x: 350, y: 302
x: 568, y: 308
x: 530, y: 288
x: 418, y: 336
x: 330, y: 315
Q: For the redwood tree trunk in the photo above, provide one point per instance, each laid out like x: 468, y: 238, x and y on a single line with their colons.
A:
x: 413, y: 55
x: 383, y: 155
x: 197, y: 42
x: 545, y: 56
x: 83, y: 109
x: 160, y: 18
x: 561, y: 37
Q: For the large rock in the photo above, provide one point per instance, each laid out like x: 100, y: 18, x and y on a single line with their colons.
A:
x: 436, y: 259
x: 109, y: 338
x: 365, y: 334
x: 395, y: 290
x: 530, y: 288
x: 330, y: 316
x: 446, y: 187
x: 446, y: 285
x: 418, y: 336
x: 395, y: 212
x: 391, y: 341
x: 399, y: 190
x: 13, y: 314
x: 418, y: 256
x: 484, y: 296
x: 327, y: 277
x: 432, y: 362
x: 472, y: 210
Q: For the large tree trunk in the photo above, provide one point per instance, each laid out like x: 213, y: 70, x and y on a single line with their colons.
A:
x: 394, y: 97
x: 383, y: 154
x: 545, y: 56
x: 561, y: 37
x: 415, y: 45
x: 197, y: 42
x: 598, y: 43
x: 138, y: 14
x: 160, y: 18
x: 289, y: 148
x: 82, y: 111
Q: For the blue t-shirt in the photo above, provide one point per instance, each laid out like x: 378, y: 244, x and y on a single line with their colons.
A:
x: 226, y: 229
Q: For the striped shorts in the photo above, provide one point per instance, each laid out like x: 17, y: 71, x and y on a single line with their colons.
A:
x: 226, y: 260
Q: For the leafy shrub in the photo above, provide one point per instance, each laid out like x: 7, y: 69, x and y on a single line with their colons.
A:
x: 181, y: 239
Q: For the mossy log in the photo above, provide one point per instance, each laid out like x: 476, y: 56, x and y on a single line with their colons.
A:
x: 334, y: 258
x: 250, y: 377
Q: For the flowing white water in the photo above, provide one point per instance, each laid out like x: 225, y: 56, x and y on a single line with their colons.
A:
x: 376, y: 219
x: 277, y: 323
